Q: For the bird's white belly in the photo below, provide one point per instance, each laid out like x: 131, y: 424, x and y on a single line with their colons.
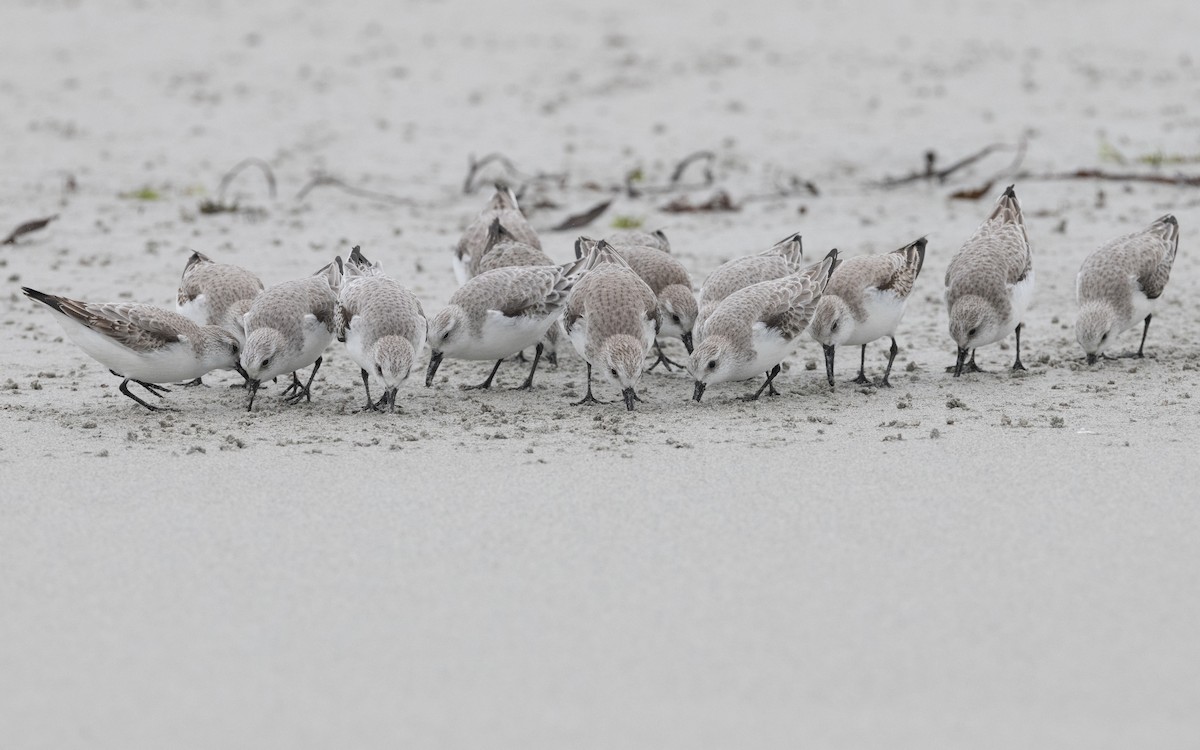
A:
x: 884, y: 312
x: 770, y: 349
x: 461, y: 271
x: 501, y: 336
x: 1021, y: 297
x: 358, y: 351
x: 167, y: 364
x: 1141, y: 306
x: 195, y: 310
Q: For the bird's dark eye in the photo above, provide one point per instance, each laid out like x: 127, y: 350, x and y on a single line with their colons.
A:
x: 971, y: 332
x: 1103, y: 336
x: 712, y: 365
x: 833, y: 327
x: 675, y: 318
x: 265, y: 362
x: 379, y: 370
x: 614, y: 372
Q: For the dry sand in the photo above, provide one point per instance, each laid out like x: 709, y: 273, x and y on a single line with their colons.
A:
x: 997, y: 561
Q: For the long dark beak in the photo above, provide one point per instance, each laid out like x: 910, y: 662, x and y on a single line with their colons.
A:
x: 630, y: 397
x: 958, y: 366
x: 687, y: 341
x: 829, y: 364
x: 391, y: 397
x: 699, y: 392
x: 1091, y: 359
x: 241, y: 371
x: 253, y: 386
x: 434, y: 362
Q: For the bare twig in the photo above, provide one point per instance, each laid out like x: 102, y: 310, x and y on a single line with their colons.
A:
x: 517, y: 178
x: 706, y: 156
x: 720, y: 201
x: 324, y: 180
x: 237, y: 169
x: 941, y: 175
x: 975, y: 194
x: 579, y: 220
x: 1099, y: 174
x: 26, y: 228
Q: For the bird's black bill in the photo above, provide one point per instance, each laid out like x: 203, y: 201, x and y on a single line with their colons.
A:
x: 699, y: 392
x: 1091, y: 359
x: 829, y: 364
x: 958, y: 366
x: 630, y: 397
x: 253, y: 386
x: 687, y: 341
x: 435, y: 361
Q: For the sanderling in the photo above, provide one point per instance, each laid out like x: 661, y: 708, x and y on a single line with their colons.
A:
x: 754, y: 329
x: 498, y: 313
x: 612, y: 320
x: 288, y: 327
x: 1120, y: 284
x: 503, y: 250
x: 672, y: 287
x: 865, y: 301
x: 217, y: 294
x: 471, y: 246
x: 382, y: 325
x: 989, y: 283
x: 142, y: 343
x: 637, y: 238
x: 780, y: 260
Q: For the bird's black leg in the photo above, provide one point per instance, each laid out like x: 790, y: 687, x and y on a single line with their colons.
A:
x: 1145, y: 330
x: 487, y: 383
x: 891, y: 358
x: 862, y: 378
x: 125, y: 389
x: 589, y: 398
x: 770, y: 377
x: 294, y: 388
x: 971, y: 366
x: 304, y: 390
x: 1017, y: 364
x: 537, y: 355
x: 371, y: 405
x: 191, y: 383
x: 154, y: 388
x: 663, y: 360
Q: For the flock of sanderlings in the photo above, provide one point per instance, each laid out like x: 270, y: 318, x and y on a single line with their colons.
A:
x: 613, y: 302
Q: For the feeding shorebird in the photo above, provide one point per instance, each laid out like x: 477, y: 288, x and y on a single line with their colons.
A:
x: 989, y: 283
x: 864, y: 301
x: 217, y: 294
x: 668, y: 279
x: 382, y: 324
x: 142, y: 343
x: 503, y: 250
x: 612, y: 320
x: 471, y: 247
x: 754, y: 329
x: 1120, y: 284
x: 287, y: 329
x: 780, y: 260
x: 498, y: 313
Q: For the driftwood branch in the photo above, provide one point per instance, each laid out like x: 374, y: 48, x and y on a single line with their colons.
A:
x: 232, y: 174
x: 518, y: 179
x: 719, y: 202
x: 1099, y: 174
x: 675, y: 184
x: 579, y: 220
x: 1011, y: 170
x: 26, y: 228
x: 941, y: 175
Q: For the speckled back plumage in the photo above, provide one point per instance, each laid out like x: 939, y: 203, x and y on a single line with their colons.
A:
x: 782, y: 259
x: 785, y: 305
x: 1144, y: 258
x: 896, y: 272
x: 613, y: 298
x: 996, y: 257
x: 534, y: 291
x: 658, y: 269
x: 502, y: 206
x: 140, y: 328
x: 221, y: 283
x: 285, y: 305
x: 509, y: 252
x: 377, y: 305
x: 637, y: 238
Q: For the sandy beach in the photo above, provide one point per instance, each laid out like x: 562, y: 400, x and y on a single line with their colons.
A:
x: 1001, y: 560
